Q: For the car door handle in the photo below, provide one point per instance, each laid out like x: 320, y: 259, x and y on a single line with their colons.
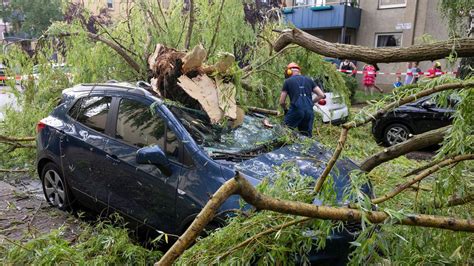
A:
x: 113, y: 158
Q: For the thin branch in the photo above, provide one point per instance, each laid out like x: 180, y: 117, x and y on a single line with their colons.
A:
x: 13, y: 170
x: 130, y: 61
x: 332, y: 161
x: 264, y: 233
x: 129, y: 26
x: 162, y: 14
x: 187, y: 41
x: 216, y: 30
x: 400, y: 188
x: 16, y: 139
x: 423, y: 167
x: 251, y: 69
x: 115, y: 39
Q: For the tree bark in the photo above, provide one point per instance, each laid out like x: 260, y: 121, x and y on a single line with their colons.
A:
x: 216, y: 30
x: 16, y: 139
x: 130, y: 61
x: 239, y: 185
x: 333, y: 160
x: 420, y: 141
x: 202, y: 219
x: 464, y: 47
x: 189, y: 34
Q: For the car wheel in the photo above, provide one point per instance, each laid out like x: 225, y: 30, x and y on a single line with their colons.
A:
x: 396, y: 133
x: 55, y: 189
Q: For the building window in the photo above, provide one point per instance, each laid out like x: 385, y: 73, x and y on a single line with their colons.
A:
x: 110, y: 4
x: 392, y: 3
x: 388, y: 40
x: 309, y: 2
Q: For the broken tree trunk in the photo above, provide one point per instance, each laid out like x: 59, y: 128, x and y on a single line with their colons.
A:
x: 420, y: 141
x: 184, y: 78
x: 239, y: 185
x: 464, y: 47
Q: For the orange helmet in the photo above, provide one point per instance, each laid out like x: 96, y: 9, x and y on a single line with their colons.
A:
x: 293, y: 65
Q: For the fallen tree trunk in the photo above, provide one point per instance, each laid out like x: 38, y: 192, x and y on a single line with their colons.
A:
x: 420, y: 141
x: 464, y: 47
x: 239, y: 185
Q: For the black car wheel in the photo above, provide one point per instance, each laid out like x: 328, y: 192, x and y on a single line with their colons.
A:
x: 396, y: 133
x: 54, y: 187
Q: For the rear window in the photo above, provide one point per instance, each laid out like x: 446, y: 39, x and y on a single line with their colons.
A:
x: 92, y: 112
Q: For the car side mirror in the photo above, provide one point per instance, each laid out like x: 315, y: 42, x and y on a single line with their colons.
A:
x: 154, y: 155
x: 428, y: 104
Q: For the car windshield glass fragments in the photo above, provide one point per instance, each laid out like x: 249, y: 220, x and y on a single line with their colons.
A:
x: 92, y: 112
x: 138, y: 126
x: 251, y: 135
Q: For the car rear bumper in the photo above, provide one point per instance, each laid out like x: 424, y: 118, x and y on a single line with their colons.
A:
x: 332, y: 115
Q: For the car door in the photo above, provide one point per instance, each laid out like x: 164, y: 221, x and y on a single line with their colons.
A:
x: 141, y: 191
x: 82, y: 145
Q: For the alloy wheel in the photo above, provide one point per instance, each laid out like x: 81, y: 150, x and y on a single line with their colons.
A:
x: 54, y: 188
x: 396, y: 135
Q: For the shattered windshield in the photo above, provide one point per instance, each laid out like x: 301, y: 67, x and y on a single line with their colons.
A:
x: 252, y: 134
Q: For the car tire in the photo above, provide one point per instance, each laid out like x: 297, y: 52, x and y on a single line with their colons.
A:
x: 395, y: 133
x: 56, y: 191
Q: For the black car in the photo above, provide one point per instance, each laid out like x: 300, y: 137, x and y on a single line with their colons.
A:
x: 411, y: 119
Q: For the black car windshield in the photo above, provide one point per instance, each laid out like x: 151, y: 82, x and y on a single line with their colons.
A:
x: 250, y: 135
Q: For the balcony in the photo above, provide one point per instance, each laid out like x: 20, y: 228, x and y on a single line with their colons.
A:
x: 323, y: 17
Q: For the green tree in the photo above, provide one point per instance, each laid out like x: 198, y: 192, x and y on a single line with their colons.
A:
x: 32, y: 17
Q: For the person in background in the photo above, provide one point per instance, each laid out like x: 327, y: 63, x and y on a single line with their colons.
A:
x: 347, y: 65
x: 368, y: 79
x: 417, y: 72
x: 410, y: 76
x: 299, y: 88
x: 398, y: 82
x: 435, y: 71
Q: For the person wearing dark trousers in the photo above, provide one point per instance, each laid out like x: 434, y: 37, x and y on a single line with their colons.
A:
x: 299, y: 88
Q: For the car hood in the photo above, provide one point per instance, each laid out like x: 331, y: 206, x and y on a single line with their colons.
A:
x: 310, y: 161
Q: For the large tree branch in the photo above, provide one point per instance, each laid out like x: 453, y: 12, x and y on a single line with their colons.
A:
x: 400, y: 188
x: 239, y: 185
x: 420, y: 141
x: 130, y: 61
x: 464, y: 47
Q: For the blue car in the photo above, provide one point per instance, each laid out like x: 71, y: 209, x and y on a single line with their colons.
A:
x: 115, y: 147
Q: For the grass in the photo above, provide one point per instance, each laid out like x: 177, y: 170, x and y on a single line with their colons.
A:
x: 361, y: 97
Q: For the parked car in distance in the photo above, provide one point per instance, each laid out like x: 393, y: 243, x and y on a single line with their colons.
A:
x: 411, y: 119
x: 332, y: 109
x: 117, y: 148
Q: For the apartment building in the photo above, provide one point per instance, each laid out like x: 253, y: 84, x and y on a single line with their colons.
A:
x: 371, y: 23
x: 116, y: 8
